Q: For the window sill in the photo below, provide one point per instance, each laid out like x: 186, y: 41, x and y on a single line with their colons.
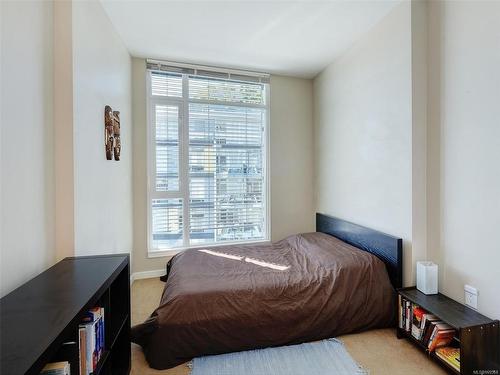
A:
x: 171, y: 252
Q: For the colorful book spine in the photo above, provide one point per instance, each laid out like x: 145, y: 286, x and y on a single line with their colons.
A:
x: 82, y: 340
x: 92, y: 334
x: 442, y: 335
x: 416, y: 327
x: 450, y: 355
x: 408, y: 316
x: 400, y: 318
x: 89, y: 334
x: 56, y: 368
x: 403, y: 314
x: 102, y: 335
x: 428, y: 331
x: 429, y: 324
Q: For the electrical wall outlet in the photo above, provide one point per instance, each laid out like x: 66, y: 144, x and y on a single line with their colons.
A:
x: 470, y: 296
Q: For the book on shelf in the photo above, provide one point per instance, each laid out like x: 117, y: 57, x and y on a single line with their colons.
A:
x: 56, y: 368
x: 442, y: 335
x: 91, y: 334
x: 450, y: 355
x: 400, y: 311
x: 436, y: 335
x: 423, y: 326
x: 416, y: 326
x: 408, y: 316
x: 82, y: 350
x: 405, y: 314
x: 428, y: 327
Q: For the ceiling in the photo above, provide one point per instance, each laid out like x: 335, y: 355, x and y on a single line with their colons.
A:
x: 297, y: 38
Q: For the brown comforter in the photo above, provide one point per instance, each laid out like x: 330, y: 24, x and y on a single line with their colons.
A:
x: 303, y: 288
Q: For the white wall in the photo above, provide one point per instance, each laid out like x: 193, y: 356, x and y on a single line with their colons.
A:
x: 407, y: 136
x: 64, y: 188
x: 27, y: 184
x: 61, y: 64
x: 103, y: 189
x: 363, y: 132
x: 468, y: 34
x: 292, y: 157
x: 419, y: 141
x: 291, y: 144
x: 141, y: 262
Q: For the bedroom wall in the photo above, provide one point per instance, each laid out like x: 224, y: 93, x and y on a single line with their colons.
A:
x: 63, y: 130
x: 407, y: 139
x: 103, y: 189
x: 141, y: 262
x: 26, y: 142
x: 292, y: 208
x: 363, y: 132
x: 292, y: 157
x: 466, y: 38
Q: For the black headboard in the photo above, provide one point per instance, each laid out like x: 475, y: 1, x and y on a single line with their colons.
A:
x: 388, y: 248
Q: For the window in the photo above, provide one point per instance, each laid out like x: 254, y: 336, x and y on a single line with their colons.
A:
x: 207, y: 165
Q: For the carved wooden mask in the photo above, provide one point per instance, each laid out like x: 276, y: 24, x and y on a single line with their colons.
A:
x: 112, y: 141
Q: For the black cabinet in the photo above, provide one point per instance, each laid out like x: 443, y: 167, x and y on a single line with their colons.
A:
x: 39, y: 320
x: 478, y: 336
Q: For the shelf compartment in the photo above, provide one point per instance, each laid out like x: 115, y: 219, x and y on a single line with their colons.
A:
x: 101, y: 365
x: 121, y: 327
x: 445, y: 364
x: 402, y: 333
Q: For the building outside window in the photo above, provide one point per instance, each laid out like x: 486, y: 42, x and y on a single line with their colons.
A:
x: 207, y: 157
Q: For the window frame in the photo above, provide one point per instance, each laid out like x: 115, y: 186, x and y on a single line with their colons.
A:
x: 183, y: 193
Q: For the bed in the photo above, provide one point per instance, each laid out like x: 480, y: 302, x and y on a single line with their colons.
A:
x: 339, y: 279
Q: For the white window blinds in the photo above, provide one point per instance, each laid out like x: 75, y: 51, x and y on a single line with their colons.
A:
x: 208, y: 161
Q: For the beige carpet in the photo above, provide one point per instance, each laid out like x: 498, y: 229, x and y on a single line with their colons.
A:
x: 378, y: 350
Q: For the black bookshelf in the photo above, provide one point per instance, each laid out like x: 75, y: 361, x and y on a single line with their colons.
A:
x: 478, y: 335
x: 39, y: 320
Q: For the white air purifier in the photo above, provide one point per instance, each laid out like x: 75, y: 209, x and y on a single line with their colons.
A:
x: 427, y: 277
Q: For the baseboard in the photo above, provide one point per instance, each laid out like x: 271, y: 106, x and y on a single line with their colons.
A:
x: 146, y: 275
